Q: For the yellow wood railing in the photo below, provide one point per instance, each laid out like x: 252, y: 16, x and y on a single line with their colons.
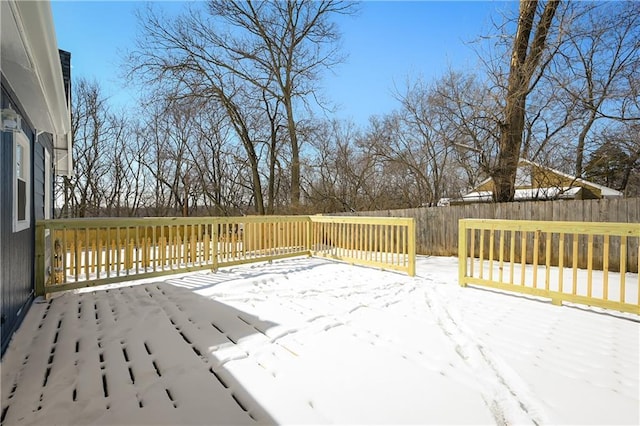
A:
x: 554, y: 260
x: 388, y: 243
x: 74, y: 253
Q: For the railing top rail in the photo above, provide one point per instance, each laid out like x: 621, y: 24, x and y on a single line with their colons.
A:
x: 123, y: 222
x: 151, y: 221
x: 595, y: 228
x: 363, y: 220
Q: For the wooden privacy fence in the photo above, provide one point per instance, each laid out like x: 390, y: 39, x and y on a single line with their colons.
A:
x: 544, y: 259
x: 85, y: 252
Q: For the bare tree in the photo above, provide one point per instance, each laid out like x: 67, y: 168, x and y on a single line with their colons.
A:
x: 123, y: 153
x: 245, y: 56
x: 282, y: 47
x: 181, y: 58
x: 470, y: 110
x: 92, y: 128
x: 595, y: 67
x: 216, y: 180
x: 616, y: 162
x: 344, y: 174
x: 414, y: 143
x: 534, y: 23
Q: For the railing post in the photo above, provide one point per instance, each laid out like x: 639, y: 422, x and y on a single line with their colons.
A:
x: 462, y: 253
x: 39, y: 260
x: 412, y: 247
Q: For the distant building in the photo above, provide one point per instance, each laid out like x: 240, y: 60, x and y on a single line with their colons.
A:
x: 36, y: 144
x: 538, y: 182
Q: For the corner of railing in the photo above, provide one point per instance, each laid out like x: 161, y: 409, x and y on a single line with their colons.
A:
x: 39, y: 260
x: 462, y: 253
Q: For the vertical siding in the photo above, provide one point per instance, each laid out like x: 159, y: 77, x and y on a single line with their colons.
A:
x: 16, y: 248
x: 44, y: 143
x: 38, y: 180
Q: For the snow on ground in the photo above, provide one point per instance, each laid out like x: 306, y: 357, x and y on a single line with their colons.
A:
x: 311, y: 341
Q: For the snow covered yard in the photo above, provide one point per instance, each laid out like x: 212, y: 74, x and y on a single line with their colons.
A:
x: 308, y: 340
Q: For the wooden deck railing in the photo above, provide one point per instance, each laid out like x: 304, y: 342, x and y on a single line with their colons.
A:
x: 74, y: 253
x: 542, y: 259
x: 388, y: 243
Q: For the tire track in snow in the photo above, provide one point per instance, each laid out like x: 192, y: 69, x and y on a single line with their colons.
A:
x: 508, y: 397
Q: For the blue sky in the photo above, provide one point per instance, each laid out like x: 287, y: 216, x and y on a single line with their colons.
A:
x: 386, y: 43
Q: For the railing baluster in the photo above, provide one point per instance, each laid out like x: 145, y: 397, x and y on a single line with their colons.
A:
x: 118, y: 252
x: 75, y: 259
x: 589, y: 265
x: 523, y: 256
x: 99, y: 256
x: 214, y: 241
x: 154, y: 244
x: 472, y: 247
x: 561, y: 263
x: 192, y: 246
x: 184, y: 245
x: 536, y: 250
x: 379, y: 243
x: 398, y: 246
x: 491, y: 250
x: 137, y: 250
x: 107, y: 261
x: 575, y: 264
x: 85, y: 255
x: 370, y: 241
x: 501, y: 255
x: 207, y: 247
x: 512, y: 255
x: 128, y: 255
x: 547, y: 262
x: 386, y: 243
x: 481, y: 254
x: 605, y: 268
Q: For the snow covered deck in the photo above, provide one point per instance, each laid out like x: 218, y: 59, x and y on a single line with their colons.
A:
x: 314, y: 341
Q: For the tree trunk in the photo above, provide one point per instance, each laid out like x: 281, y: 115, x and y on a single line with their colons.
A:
x: 295, y: 154
x: 524, y: 63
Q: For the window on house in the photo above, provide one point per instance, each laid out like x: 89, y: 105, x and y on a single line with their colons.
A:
x: 21, y: 182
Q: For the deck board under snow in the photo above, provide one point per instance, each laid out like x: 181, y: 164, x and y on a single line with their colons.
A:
x: 314, y: 341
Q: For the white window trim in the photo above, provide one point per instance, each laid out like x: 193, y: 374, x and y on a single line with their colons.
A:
x: 19, y: 138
